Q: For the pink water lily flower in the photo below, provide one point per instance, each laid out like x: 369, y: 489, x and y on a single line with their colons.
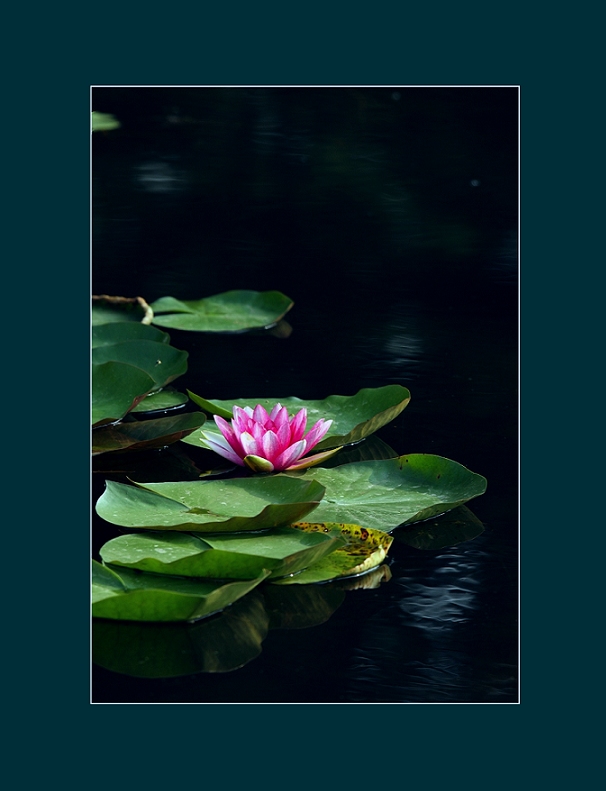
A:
x: 267, y: 442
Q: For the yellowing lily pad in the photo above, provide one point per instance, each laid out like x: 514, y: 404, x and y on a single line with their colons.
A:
x: 364, y: 550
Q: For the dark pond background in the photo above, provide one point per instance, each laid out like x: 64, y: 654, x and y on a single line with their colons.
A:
x: 390, y: 216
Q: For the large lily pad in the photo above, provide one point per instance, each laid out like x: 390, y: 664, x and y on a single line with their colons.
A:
x: 137, y: 596
x: 362, y: 550
x: 145, y: 434
x: 354, y: 417
x: 384, y: 494
x: 217, y: 506
x: 232, y: 311
x: 283, y: 550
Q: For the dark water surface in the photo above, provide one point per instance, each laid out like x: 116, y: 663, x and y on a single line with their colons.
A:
x: 389, y: 216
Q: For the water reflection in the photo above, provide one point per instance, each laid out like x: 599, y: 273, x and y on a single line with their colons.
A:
x: 439, y: 641
x: 216, y: 645
x: 160, y: 177
x: 503, y: 265
x: 221, y: 643
x: 434, y: 605
x: 398, y: 346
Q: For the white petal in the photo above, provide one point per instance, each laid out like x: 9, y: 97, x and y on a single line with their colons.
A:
x: 249, y: 444
x: 218, y: 444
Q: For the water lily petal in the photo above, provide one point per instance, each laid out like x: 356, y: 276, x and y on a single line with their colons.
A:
x: 281, y: 417
x: 290, y: 455
x: 223, y: 425
x: 241, y: 418
x: 316, y: 433
x: 274, y: 412
x: 284, y: 437
x: 271, y: 445
x: 218, y: 444
x: 230, y: 435
x: 215, y: 439
x: 249, y: 444
x: 258, y: 431
x: 260, y: 415
x: 267, y: 442
x: 297, y: 425
x: 309, y: 461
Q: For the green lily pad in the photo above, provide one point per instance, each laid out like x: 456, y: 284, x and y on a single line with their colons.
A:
x: 106, y: 582
x: 150, y: 650
x: 382, y: 495
x: 116, y: 389
x: 145, y: 434
x: 283, y: 550
x: 137, y: 596
x: 162, y: 400
x: 211, y: 506
x: 124, y: 372
x: 161, y: 362
x: 232, y: 311
x: 120, y: 331
x: 362, y: 551
x: 354, y: 417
